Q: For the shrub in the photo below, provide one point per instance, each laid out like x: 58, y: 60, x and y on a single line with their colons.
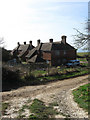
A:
x: 10, y: 79
x: 31, y: 80
x: 29, y: 77
x: 6, y: 55
x: 53, y: 71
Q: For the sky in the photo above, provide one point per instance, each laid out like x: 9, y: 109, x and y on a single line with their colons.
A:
x: 25, y: 20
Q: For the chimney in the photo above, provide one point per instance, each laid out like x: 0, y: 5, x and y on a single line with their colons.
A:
x: 51, y: 40
x: 64, y: 39
x: 18, y: 44
x: 24, y: 43
x: 38, y: 42
x: 30, y: 43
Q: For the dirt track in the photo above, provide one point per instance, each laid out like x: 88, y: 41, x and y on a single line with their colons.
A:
x: 59, y: 91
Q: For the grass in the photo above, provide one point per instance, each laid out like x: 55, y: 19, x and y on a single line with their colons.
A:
x: 82, y: 59
x: 4, y: 107
x: 82, y: 53
x: 38, y: 77
x: 64, y: 73
x: 53, y: 104
x: 39, y: 110
x: 81, y: 96
x: 37, y: 73
x: 22, y: 110
x: 63, y: 76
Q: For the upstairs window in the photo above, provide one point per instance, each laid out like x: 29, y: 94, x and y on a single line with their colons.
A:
x: 64, y: 52
x: 57, y: 52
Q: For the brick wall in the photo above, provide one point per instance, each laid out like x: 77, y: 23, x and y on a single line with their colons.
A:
x: 57, y: 57
x: 46, y: 56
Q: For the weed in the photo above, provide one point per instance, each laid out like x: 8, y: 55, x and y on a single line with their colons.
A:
x: 21, y: 116
x: 67, y: 119
x: 21, y: 111
x: 25, y: 107
x: 53, y: 104
x: 53, y: 71
x: 33, y: 117
x: 38, y: 73
x: 4, y: 107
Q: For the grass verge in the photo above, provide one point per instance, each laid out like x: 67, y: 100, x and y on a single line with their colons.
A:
x: 81, y: 96
x: 46, y: 79
x: 32, y: 80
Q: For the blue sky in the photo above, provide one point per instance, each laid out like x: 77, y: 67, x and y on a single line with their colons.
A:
x: 25, y: 20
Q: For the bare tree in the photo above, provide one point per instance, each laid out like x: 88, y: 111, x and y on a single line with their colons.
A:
x: 81, y: 39
x: 1, y: 41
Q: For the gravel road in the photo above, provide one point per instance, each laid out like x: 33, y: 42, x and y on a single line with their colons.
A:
x: 59, y: 91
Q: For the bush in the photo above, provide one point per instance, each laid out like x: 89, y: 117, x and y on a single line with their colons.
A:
x: 10, y: 79
x: 29, y: 77
x: 31, y: 80
x: 6, y: 55
x: 53, y: 71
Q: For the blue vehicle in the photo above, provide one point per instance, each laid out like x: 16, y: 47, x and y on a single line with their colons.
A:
x: 72, y: 63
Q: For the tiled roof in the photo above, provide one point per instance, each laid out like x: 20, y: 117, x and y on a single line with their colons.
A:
x: 46, y: 47
x: 24, y: 48
x: 49, y: 47
x: 56, y: 46
x: 61, y: 46
x: 33, y: 59
x: 31, y: 52
x: 14, y: 50
x: 36, y: 58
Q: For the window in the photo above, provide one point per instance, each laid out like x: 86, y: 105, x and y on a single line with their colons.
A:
x: 64, y: 52
x: 57, y: 52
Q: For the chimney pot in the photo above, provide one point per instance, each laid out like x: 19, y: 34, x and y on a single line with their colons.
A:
x: 24, y: 43
x: 18, y: 44
x: 30, y: 42
x: 64, y: 39
x: 38, y: 42
x: 51, y: 40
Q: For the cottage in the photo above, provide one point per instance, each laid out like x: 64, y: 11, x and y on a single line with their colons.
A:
x: 54, y: 53
x: 35, y: 55
x: 22, y: 50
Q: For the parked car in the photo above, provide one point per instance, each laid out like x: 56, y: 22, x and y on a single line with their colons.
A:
x: 72, y: 63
